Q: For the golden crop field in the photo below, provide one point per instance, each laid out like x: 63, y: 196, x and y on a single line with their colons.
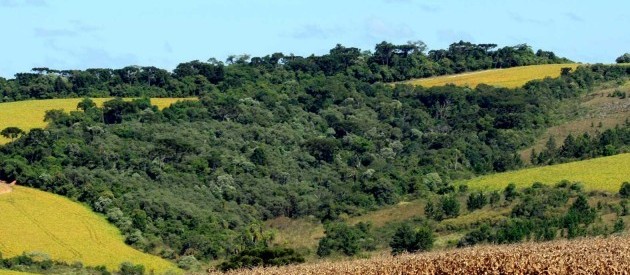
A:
x: 11, y: 272
x: 36, y: 221
x: 509, y: 78
x: 604, y: 174
x: 585, y: 256
x: 29, y: 114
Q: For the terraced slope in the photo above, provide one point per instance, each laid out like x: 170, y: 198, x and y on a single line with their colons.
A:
x: 29, y: 114
x: 33, y: 220
x: 509, y: 78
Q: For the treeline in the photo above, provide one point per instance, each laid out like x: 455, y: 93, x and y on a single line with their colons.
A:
x: 607, y: 143
x: 388, y: 63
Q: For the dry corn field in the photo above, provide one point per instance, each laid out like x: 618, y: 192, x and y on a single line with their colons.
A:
x: 586, y: 256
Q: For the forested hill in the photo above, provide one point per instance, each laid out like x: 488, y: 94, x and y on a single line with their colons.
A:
x: 387, y: 63
x: 199, y: 177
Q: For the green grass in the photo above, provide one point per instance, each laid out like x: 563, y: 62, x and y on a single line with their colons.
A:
x: 29, y: 114
x: 509, y: 78
x: 36, y: 221
x: 603, y: 174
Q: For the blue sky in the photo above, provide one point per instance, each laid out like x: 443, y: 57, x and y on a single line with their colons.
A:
x: 80, y: 34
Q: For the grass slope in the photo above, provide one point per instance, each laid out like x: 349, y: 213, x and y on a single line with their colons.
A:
x: 605, y: 174
x: 509, y: 78
x: 596, y: 112
x: 34, y: 220
x: 29, y: 114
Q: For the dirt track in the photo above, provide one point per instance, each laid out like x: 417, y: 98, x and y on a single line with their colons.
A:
x: 5, y: 187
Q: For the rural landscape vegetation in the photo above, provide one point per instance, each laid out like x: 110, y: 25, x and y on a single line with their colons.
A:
x: 397, y: 160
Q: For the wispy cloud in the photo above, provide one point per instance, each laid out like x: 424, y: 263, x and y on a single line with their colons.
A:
x: 22, y: 3
x: 42, y: 32
x: 75, y: 28
x: 378, y: 28
x: 451, y: 36
x: 310, y: 31
x: 574, y: 17
x: 520, y: 19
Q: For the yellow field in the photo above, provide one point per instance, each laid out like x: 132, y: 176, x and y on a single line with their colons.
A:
x: 33, y: 220
x: 604, y: 174
x: 29, y: 114
x: 10, y: 272
x: 509, y: 78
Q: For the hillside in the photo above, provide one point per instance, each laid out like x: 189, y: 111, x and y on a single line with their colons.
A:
x: 509, y: 78
x: 33, y: 220
x: 29, y: 114
x: 588, y: 256
x: 606, y: 107
x: 606, y: 174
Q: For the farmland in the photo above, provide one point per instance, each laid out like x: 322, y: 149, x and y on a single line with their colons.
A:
x: 583, y: 256
x: 36, y: 221
x: 508, y: 78
x: 29, y: 114
x: 605, y: 174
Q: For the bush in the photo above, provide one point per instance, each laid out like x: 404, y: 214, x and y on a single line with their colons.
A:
x: 476, y: 200
x: 510, y: 192
x: 262, y: 257
x: 349, y: 240
x: 406, y: 239
x: 128, y: 268
x: 188, y: 263
x: 624, y: 191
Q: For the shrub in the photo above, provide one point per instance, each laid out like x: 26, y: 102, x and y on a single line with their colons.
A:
x: 406, y: 239
x: 476, y: 200
x: 262, y: 257
x: 624, y: 191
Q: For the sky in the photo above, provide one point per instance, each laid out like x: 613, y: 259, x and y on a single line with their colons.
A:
x: 81, y: 34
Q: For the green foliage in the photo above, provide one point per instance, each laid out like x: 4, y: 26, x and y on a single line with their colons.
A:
x: 262, y: 257
x: 625, y: 58
x: 280, y: 136
x: 624, y: 191
x: 446, y: 207
x: 510, y: 193
x: 128, y: 268
x: 476, y: 200
x: 346, y: 239
x: 408, y: 239
x: 11, y: 132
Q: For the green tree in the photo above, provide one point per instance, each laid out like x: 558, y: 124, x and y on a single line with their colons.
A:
x: 11, y: 132
x: 625, y: 58
x: 624, y: 191
x: 86, y: 104
x: 406, y: 239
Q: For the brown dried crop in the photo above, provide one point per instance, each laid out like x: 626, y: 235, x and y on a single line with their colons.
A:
x: 585, y: 256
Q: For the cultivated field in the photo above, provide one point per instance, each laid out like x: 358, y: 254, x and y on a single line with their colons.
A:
x: 509, y: 78
x: 585, y: 256
x: 29, y: 114
x: 10, y: 272
x: 604, y: 174
x: 36, y: 221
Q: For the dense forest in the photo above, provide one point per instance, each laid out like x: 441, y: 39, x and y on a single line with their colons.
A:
x: 280, y: 135
x: 388, y: 63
